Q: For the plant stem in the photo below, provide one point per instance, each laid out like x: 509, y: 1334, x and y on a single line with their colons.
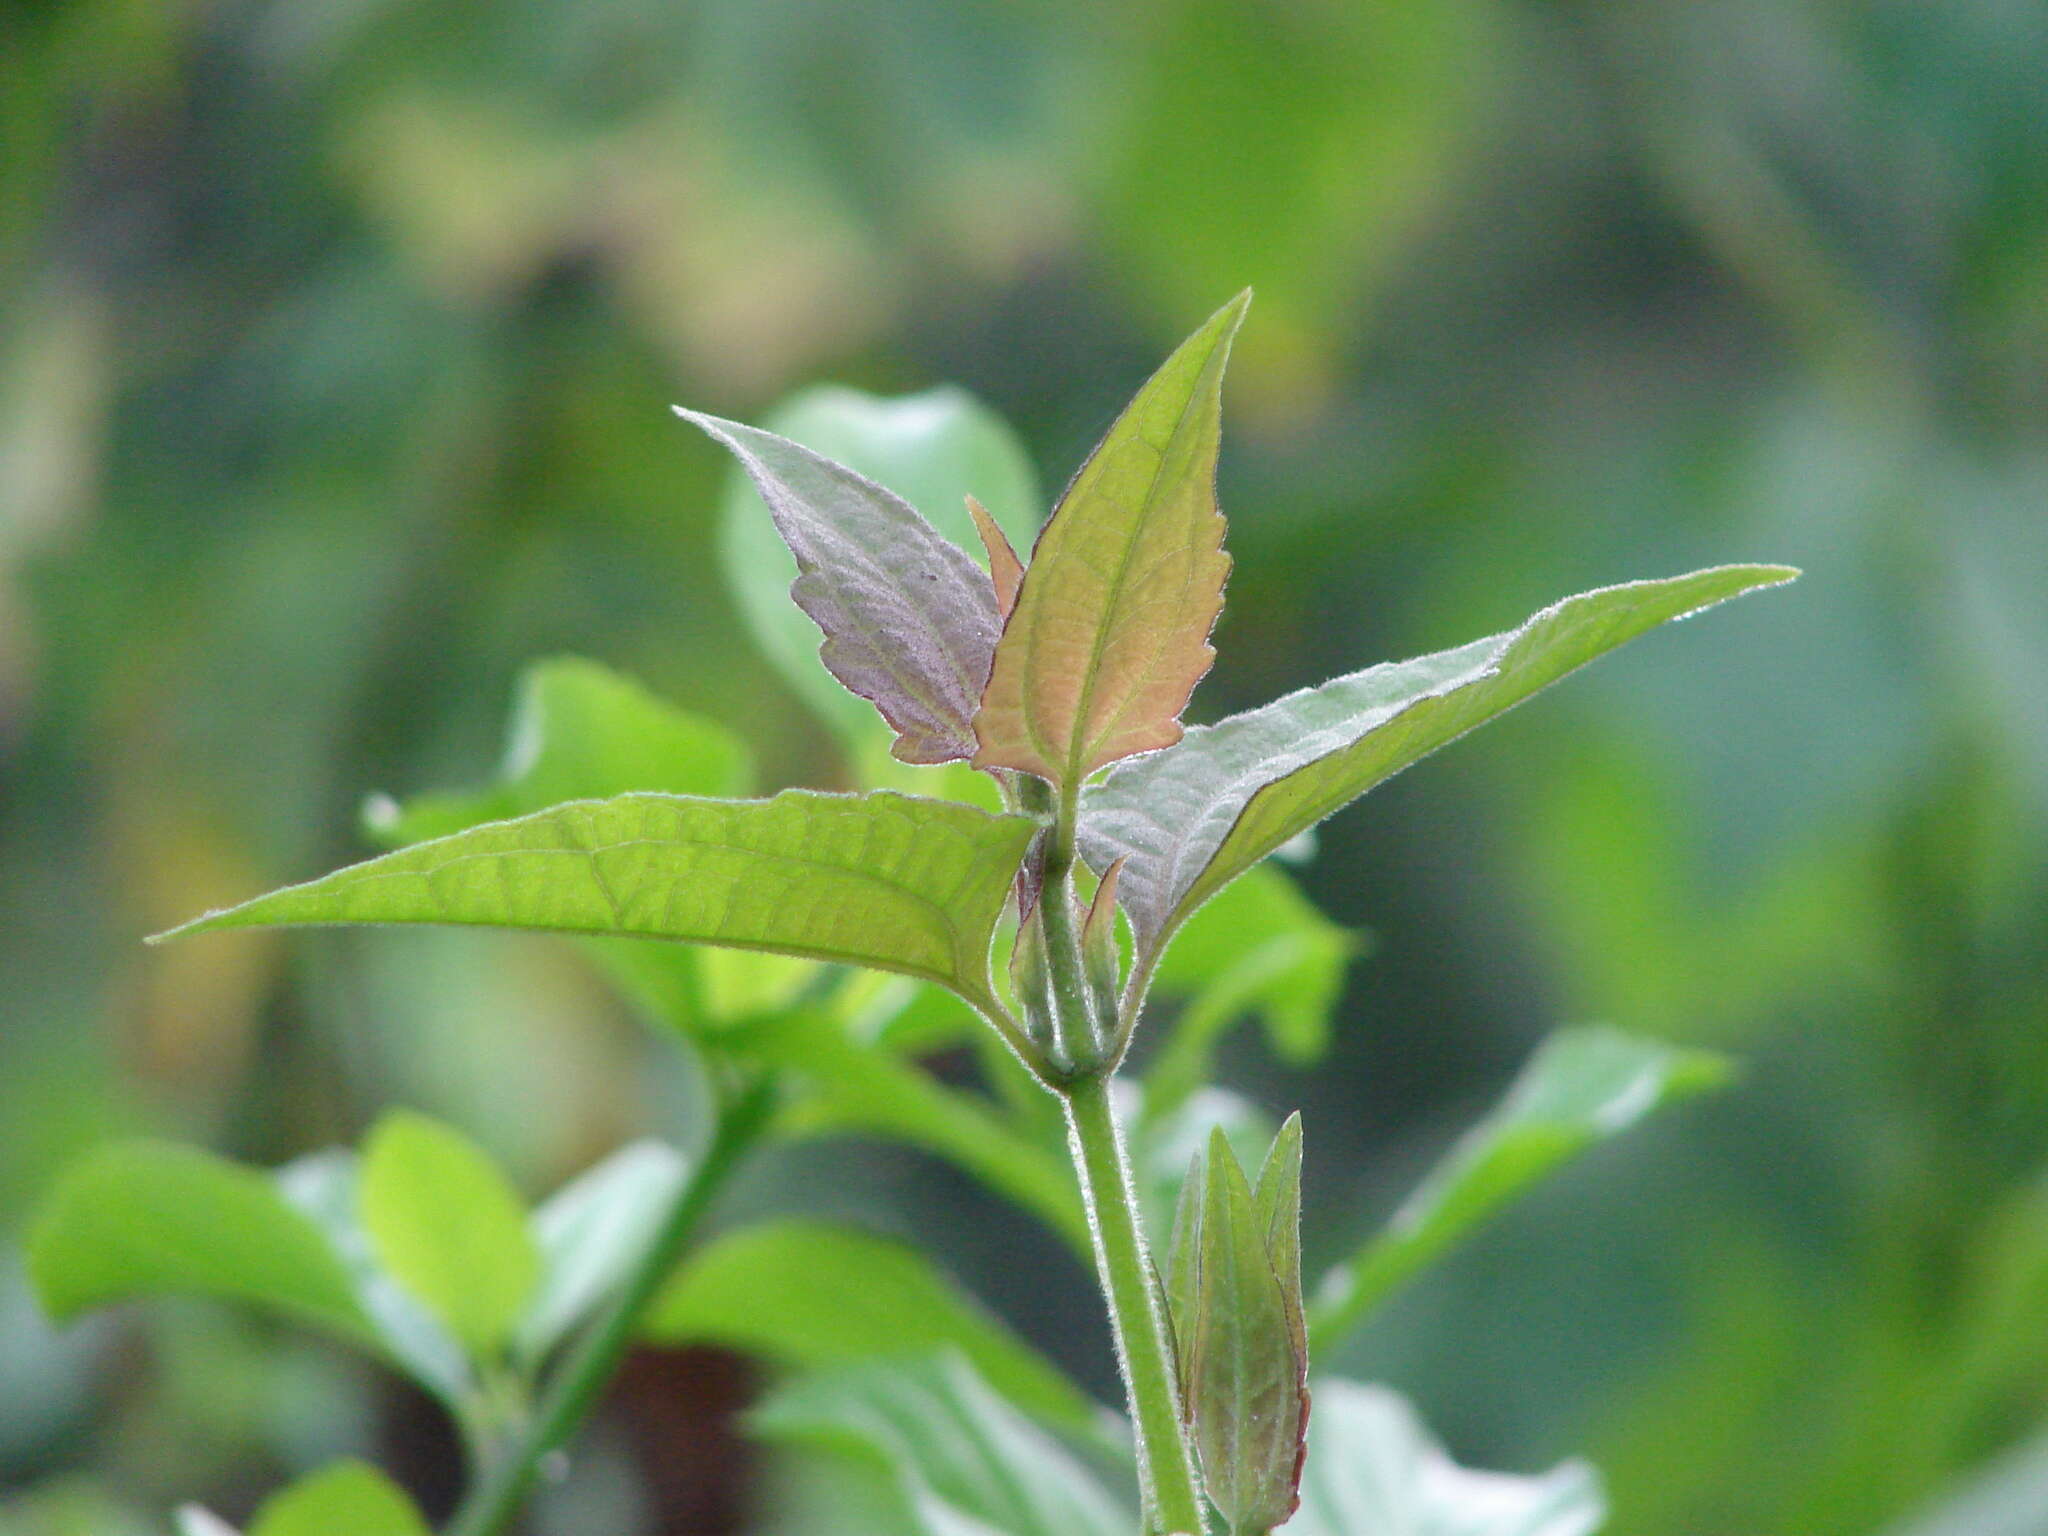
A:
x: 495, y: 1497
x: 1166, y: 1472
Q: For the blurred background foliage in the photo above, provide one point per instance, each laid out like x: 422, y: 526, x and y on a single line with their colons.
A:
x: 334, y: 365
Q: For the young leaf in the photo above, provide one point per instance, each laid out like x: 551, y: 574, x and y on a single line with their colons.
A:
x: 1005, y: 570
x: 350, y: 1498
x: 966, y: 1462
x: 909, y: 619
x: 1373, y: 1466
x: 1277, y: 1196
x: 447, y: 1227
x: 1099, y: 952
x: 590, y: 1234
x: 932, y: 449
x: 579, y: 732
x: 1194, y: 819
x: 1111, y: 629
x: 812, y: 1294
x: 1581, y: 1087
x: 1244, y: 1380
x: 138, y: 1218
x: 882, y: 879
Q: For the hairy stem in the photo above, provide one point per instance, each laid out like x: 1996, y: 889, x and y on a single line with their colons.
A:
x: 1166, y: 1472
x: 496, y: 1496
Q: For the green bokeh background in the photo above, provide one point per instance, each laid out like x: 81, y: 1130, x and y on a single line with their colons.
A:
x: 336, y: 347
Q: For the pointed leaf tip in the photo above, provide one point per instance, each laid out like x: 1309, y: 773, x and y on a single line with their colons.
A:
x: 1110, y: 632
x: 1005, y: 570
x: 909, y: 620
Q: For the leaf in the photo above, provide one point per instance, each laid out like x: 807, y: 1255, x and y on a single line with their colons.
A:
x: 591, y: 1233
x: 1005, y: 570
x: 579, y: 732
x: 811, y: 1293
x: 909, y: 619
x: 1193, y: 819
x: 195, y: 1520
x: 967, y: 1463
x: 2008, y: 1496
x: 932, y: 449
x: 1245, y: 1370
x: 1101, y: 957
x: 447, y: 1226
x: 140, y: 1218
x: 1258, y: 947
x: 1581, y: 1087
x: 852, y: 1086
x: 881, y: 879
x: 1373, y: 1466
x: 1277, y: 1197
x: 350, y: 1498
x: 1111, y: 629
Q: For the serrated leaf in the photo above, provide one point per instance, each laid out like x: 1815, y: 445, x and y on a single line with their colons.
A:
x: 1373, y: 1466
x: 966, y: 1462
x: 350, y: 1498
x: 882, y: 879
x: 909, y: 620
x: 1581, y: 1087
x: 1193, y: 819
x: 591, y: 1233
x: 1111, y: 629
x: 812, y: 1293
x: 140, y: 1218
x: 1245, y: 1371
x: 447, y: 1226
x: 579, y: 731
x: 1259, y: 947
x: 933, y: 449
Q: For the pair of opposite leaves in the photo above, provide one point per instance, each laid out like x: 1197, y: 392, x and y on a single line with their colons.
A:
x: 1083, y: 660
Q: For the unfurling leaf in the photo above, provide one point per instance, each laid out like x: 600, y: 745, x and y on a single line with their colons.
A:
x: 1005, y: 570
x: 1234, y: 1298
x: 446, y: 1225
x: 1373, y: 1466
x: 1110, y: 633
x: 1100, y: 956
x: 909, y: 619
x: 1193, y: 819
x: 885, y: 880
x: 1581, y: 1087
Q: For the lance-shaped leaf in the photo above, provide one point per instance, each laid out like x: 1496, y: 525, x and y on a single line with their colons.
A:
x: 1191, y: 820
x: 1234, y: 1297
x: 886, y: 880
x: 1005, y: 570
x: 1581, y: 1087
x: 909, y: 619
x: 1373, y: 1466
x: 1111, y: 629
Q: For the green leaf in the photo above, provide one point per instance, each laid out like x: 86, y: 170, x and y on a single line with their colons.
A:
x: 139, y: 1218
x: 811, y: 1294
x: 1260, y: 947
x: 1581, y: 1087
x: 350, y: 1498
x: 591, y: 1233
x: 579, y: 732
x: 1373, y: 1466
x: 447, y: 1226
x: 966, y: 1462
x: 849, y: 1085
x: 932, y: 449
x: 1111, y: 629
x: 1245, y: 1371
x: 882, y: 879
x: 1193, y: 819
x: 1277, y: 1197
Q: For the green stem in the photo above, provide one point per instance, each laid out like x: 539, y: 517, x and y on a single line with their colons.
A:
x: 574, y: 1390
x: 1166, y: 1471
